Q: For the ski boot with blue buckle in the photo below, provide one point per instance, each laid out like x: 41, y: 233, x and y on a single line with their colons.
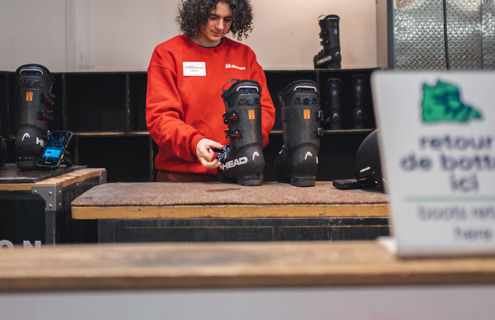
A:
x: 242, y: 158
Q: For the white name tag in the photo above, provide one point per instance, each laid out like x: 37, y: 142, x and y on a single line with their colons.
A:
x: 194, y: 69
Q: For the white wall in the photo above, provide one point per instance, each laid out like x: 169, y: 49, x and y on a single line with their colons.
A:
x: 32, y: 31
x: 119, y: 35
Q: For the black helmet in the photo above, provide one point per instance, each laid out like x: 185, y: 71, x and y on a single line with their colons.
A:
x: 29, y: 143
x: 368, y: 166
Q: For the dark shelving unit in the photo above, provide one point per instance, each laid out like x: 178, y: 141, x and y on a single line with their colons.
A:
x: 106, y: 112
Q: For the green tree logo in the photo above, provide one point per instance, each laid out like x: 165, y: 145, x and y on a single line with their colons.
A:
x: 443, y: 102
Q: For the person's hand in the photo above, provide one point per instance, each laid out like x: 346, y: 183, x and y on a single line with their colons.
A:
x: 206, y: 155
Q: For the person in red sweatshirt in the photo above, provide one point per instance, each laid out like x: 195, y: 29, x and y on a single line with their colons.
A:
x: 186, y: 77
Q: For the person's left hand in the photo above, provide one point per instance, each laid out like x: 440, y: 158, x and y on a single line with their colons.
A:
x: 206, y: 155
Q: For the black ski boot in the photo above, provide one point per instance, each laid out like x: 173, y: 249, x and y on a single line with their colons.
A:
x: 34, y: 101
x: 333, y: 111
x: 242, y: 159
x: 360, y: 106
x: 297, y: 162
x: 329, y: 57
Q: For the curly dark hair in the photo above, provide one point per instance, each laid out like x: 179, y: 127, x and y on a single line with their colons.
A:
x: 193, y: 14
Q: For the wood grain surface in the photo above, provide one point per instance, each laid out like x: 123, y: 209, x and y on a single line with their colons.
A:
x: 63, y: 179
x: 228, y: 265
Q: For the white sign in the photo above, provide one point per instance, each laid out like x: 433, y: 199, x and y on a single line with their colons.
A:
x: 437, y: 145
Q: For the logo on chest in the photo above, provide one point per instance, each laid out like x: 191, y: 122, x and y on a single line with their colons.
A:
x: 233, y: 66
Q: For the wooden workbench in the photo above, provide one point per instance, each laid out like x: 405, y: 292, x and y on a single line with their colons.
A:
x: 35, y: 204
x: 228, y: 212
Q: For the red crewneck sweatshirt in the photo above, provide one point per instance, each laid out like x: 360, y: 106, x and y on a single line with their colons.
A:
x: 184, y: 103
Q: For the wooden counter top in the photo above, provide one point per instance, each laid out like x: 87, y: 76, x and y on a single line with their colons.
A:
x: 228, y: 265
x: 12, y: 179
